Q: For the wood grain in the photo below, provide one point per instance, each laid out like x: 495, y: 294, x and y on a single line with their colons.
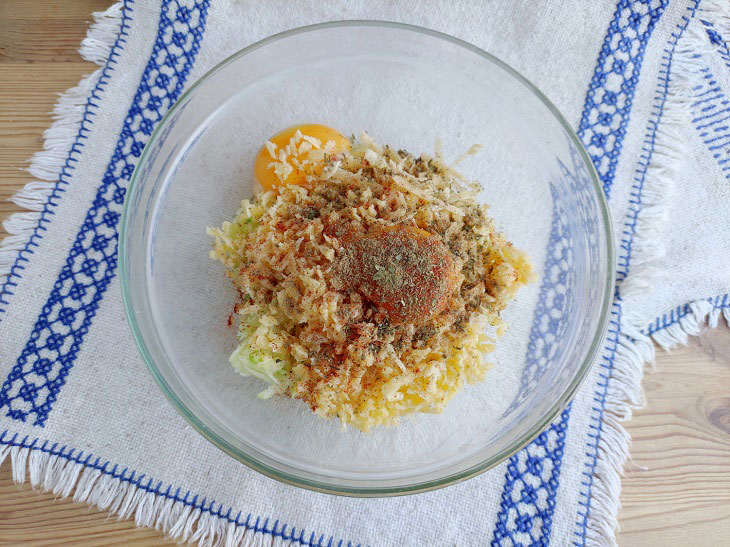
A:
x: 36, y: 518
x: 39, y: 59
x: 676, y: 491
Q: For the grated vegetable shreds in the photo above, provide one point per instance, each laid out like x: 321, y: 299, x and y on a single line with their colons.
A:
x: 312, y: 337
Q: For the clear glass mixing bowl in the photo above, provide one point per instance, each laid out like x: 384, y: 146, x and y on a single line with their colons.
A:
x: 405, y: 86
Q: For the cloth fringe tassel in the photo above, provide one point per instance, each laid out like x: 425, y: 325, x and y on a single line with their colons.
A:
x: 702, y: 315
x: 635, y: 348
x: 46, y: 165
x: 180, y: 521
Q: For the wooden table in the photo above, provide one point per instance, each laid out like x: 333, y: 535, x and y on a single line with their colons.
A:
x: 676, y: 491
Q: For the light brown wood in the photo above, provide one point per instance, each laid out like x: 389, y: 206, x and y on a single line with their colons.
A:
x: 36, y: 518
x: 675, y: 492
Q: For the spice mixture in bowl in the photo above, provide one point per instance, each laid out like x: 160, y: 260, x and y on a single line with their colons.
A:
x: 372, y: 284
x: 370, y: 289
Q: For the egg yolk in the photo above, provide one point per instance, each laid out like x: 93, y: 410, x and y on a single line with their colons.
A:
x: 288, y: 157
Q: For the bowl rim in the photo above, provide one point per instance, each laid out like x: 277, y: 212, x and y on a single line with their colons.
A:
x: 374, y: 491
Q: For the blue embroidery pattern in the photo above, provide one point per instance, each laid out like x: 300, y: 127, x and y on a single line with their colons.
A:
x: 625, y: 250
x: 528, y: 498
x: 723, y: 46
x: 711, y: 118
x: 602, y: 129
x: 553, y: 306
x: 611, y: 91
x: 531, y: 481
x: 33, y: 384
x: 721, y: 302
x: 148, y: 484
x: 7, y: 287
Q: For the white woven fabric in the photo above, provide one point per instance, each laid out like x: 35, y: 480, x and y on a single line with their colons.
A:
x: 645, y: 84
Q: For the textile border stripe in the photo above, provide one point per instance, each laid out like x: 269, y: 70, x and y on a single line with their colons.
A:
x: 715, y: 133
x: 677, y: 314
x: 33, y: 384
x: 711, y: 118
x: 523, y: 518
x: 148, y: 484
x: 611, y: 91
x: 552, y: 307
x: 528, y: 495
x: 7, y: 287
x: 723, y: 46
x: 625, y: 250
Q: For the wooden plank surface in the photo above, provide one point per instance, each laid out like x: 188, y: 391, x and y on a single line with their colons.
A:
x: 676, y: 491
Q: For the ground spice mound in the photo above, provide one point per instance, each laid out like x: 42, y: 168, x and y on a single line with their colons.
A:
x: 407, y: 273
x: 374, y: 290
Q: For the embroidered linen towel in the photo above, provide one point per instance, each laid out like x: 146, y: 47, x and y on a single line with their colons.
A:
x: 645, y: 85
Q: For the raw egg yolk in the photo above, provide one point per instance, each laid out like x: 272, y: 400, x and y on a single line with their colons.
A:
x: 288, y: 157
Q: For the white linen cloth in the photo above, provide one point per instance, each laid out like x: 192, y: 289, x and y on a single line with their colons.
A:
x: 645, y: 85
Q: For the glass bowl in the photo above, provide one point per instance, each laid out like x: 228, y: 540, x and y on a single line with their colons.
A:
x: 405, y: 86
